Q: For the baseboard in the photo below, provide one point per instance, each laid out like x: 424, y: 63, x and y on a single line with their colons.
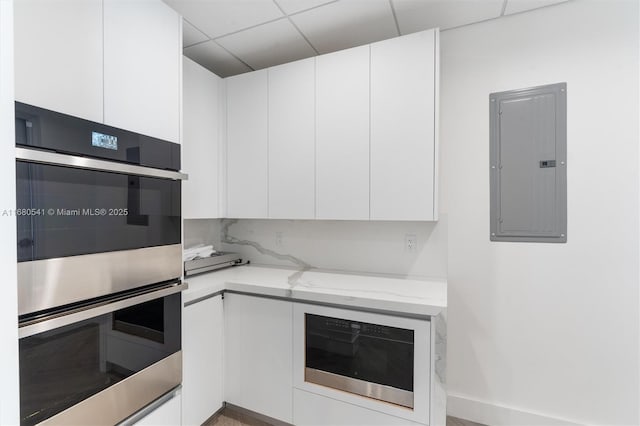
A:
x: 498, y: 415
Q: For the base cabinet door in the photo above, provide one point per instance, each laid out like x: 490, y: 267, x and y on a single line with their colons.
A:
x: 258, y: 359
x: 168, y: 414
x: 202, y: 377
x: 316, y: 410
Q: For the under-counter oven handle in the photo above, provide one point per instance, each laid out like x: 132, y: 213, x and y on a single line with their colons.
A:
x: 57, y: 159
x: 101, y: 308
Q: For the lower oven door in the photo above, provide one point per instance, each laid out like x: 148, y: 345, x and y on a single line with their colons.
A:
x: 102, y: 364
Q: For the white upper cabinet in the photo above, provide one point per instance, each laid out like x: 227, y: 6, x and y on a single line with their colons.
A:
x: 142, y: 67
x: 292, y: 140
x: 247, y: 158
x: 58, y: 56
x: 202, y: 119
x: 342, y: 129
x: 404, y: 80
x: 356, y: 138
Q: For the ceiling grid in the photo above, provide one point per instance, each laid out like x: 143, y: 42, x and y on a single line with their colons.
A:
x: 235, y: 36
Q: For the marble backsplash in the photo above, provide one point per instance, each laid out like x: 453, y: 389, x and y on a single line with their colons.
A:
x: 354, y: 246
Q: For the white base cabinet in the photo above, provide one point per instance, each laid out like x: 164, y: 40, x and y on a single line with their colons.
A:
x: 202, y: 362
x: 258, y: 355
x: 316, y: 410
x: 168, y: 414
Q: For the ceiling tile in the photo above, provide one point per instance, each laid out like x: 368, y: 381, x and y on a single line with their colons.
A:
x: 515, y: 6
x: 347, y: 23
x: 217, y: 60
x: 293, y: 6
x: 269, y: 44
x: 418, y: 15
x: 191, y: 35
x: 220, y: 17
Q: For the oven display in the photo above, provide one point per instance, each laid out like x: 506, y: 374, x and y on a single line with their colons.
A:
x: 104, y: 141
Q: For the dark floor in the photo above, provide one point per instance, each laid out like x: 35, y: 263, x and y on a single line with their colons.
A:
x: 235, y: 418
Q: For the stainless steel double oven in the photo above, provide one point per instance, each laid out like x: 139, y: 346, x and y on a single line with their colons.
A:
x: 99, y: 269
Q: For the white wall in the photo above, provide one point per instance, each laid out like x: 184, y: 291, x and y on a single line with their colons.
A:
x: 550, y: 329
x: 9, y: 409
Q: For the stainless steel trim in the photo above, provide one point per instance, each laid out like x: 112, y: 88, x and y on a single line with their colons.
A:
x: 423, y: 317
x: 192, y: 272
x: 56, y: 159
x: 359, y: 387
x: 136, y: 417
x: 123, y: 399
x: 48, y: 283
x: 81, y: 314
x: 200, y: 299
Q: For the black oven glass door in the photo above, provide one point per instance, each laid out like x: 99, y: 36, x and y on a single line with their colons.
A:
x: 367, y: 352
x: 64, y: 211
x: 64, y: 366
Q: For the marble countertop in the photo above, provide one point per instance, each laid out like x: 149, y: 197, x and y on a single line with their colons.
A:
x: 414, y: 296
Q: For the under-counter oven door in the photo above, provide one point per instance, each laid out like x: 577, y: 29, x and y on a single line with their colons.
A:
x: 368, y: 359
x: 102, y: 364
x: 373, y: 360
x: 85, y: 233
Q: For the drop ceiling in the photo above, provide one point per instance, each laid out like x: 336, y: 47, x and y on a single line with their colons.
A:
x: 235, y: 36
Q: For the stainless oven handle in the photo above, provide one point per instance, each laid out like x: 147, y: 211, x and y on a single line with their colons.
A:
x: 81, y: 314
x: 56, y: 159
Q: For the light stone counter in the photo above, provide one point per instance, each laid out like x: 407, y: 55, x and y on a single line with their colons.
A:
x: 420, y: 297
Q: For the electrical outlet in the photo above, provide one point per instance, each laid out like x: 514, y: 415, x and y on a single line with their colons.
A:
x: 278, y: 238
x: 410, y: 243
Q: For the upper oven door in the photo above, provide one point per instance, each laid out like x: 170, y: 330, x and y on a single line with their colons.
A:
x: 68, y: 212
x: 84, y: 233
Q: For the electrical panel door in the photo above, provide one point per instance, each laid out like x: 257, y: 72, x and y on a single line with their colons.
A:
x: 528, y: 164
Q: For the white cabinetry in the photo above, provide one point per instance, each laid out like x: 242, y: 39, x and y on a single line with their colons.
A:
x: 258, y: 358
x: 168, y: 414
x: 142, y: 67
x: 116, y: 62
x: 203, y: 113
x: 342, y: 129
x: 404, y: 79
x: 376, y: 135
x: 315, y: 410
x: 202, y: 380
x: 247, y: 130
x: 292, y: 140
x: 58, y: 56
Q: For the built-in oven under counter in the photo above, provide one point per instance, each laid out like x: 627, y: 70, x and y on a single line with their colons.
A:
x: 373, y: 360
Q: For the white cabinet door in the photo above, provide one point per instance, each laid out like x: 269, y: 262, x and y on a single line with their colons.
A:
x: 247, y: 158
x: 202, y: 371
x: 292, y: 140
x: 58, y: 56
x: 258, y: 360
x: 168, y: 414
x: 342, y: 147
x: 142, y: 67
x: 403, y: 127
x: 201, y: 141
x: 315, y: 410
